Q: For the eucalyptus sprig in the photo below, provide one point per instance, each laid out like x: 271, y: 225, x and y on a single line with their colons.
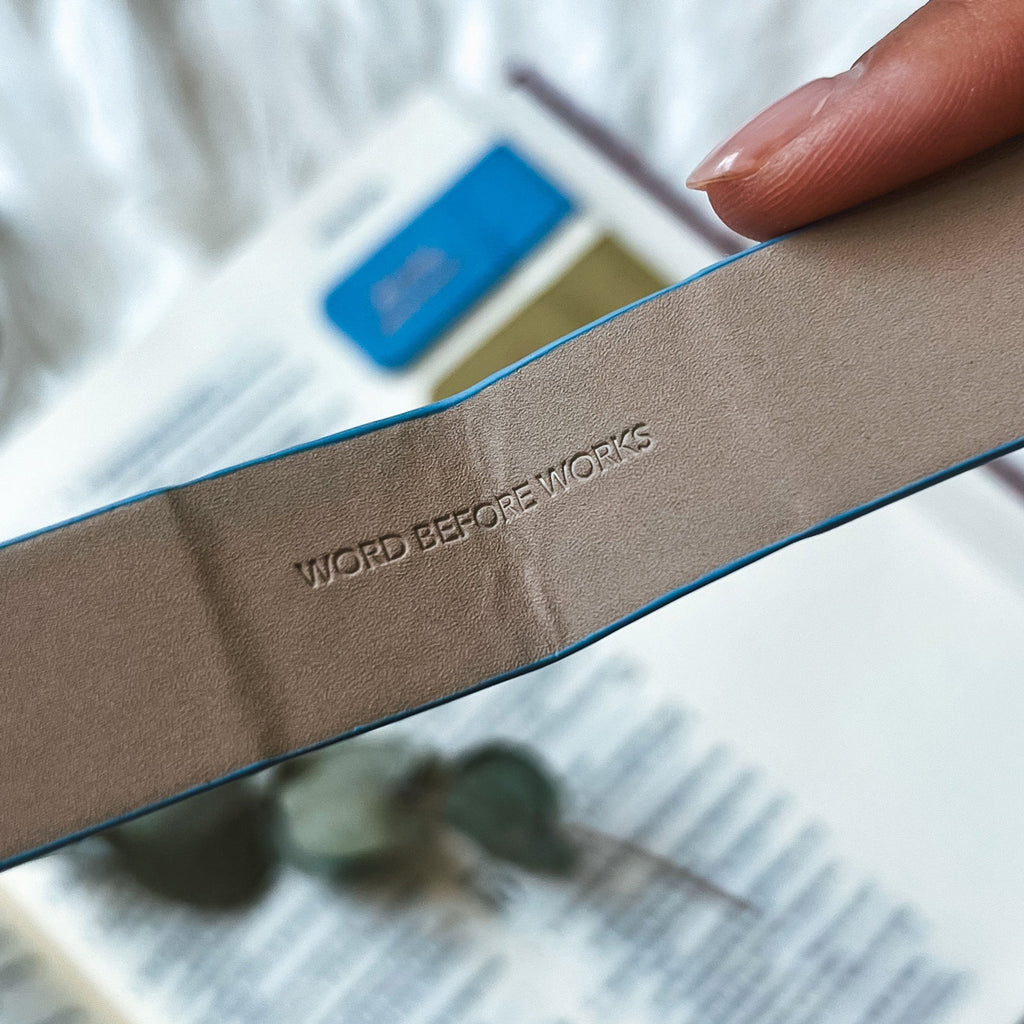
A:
x: 364, y: 805
x: 369, y: 808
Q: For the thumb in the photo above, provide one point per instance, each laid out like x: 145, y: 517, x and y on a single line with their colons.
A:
x: 945, y: 84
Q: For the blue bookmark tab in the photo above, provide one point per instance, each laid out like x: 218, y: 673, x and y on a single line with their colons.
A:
x: 401, y: 299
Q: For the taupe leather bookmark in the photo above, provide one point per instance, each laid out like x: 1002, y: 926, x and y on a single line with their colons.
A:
x: 194, y: 633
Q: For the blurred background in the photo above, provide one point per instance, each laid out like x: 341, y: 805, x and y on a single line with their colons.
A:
x: 139, y: 141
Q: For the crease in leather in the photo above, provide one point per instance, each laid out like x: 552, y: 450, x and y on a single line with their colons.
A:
x: 110, y: 700
x: 257, y: 702
x: 520, y: 572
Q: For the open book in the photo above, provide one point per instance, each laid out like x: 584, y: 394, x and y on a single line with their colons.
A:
x: 794, y: 792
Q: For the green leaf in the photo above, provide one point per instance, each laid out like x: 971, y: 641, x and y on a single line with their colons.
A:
x: 211, y: 850
x: 502, y: 798
x: 339, y: 809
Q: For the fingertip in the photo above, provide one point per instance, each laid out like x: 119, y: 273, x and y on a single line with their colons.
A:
x: 943, y: 86
x: 741, y: 206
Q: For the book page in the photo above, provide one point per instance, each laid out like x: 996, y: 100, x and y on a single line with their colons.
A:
x: 702, y: 894
x: 39, y: 984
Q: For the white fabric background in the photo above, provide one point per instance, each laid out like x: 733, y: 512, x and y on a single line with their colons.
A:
x: 140, y: 139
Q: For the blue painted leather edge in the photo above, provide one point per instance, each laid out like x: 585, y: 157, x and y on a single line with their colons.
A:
x: 672, y: 595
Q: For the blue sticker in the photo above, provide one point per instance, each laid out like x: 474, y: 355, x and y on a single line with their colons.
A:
x: 400, y: 300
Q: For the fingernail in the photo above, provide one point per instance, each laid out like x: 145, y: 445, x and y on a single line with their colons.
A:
x: 760, y: 139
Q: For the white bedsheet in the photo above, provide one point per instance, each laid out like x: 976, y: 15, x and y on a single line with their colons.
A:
x: 138, y: 140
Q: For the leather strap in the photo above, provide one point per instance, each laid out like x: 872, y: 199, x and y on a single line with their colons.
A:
x: 196, y: 632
